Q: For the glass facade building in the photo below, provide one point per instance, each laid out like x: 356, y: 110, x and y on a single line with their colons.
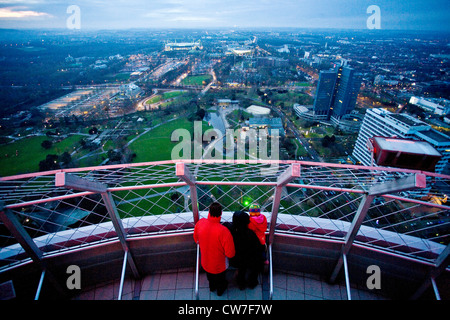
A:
x: 336, y: 93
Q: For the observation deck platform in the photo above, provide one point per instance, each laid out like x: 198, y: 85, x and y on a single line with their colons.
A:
x: 180, y: 285
x: 129, y: 228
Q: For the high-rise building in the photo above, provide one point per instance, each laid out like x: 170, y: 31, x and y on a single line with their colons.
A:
x: 324, y: 94
x: 380, y: 122
x: 347, y: 87
x: 336, y: 93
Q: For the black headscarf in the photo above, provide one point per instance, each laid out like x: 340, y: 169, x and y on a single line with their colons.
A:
x: 246, y: 243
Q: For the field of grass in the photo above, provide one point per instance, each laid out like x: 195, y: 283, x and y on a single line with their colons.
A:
x: 155, y: 145
x: 235, y: 116
x: 24, y: 155
x: 165, y: 96
x: 119, y: 77
x: 147, y: 202
x: 302, y: 84
x: 197, y: 80
x: 155, y: 99
x: 172, y: 94
x: 301, y: 151
x: 291, y: 97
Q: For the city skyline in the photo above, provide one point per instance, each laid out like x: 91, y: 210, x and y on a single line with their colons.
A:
x: 118, y: 14
x: 113, y: 136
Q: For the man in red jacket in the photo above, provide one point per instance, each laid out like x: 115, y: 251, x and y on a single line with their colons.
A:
x: 216, y: 246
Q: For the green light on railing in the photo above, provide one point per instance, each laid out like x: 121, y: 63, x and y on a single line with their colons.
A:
x: 246, y: 201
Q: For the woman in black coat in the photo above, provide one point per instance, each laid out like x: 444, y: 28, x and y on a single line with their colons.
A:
x: 249, y: 255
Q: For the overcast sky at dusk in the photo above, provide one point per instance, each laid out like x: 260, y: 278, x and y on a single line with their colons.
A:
x: 124, y: 14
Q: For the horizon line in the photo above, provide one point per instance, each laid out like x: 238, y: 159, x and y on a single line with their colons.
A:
x: 221, y: 28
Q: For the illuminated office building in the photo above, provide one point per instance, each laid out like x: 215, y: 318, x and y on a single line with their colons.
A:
x: 336, y: 93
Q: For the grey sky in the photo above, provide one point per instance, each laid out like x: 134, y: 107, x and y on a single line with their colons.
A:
x: 120, y: 14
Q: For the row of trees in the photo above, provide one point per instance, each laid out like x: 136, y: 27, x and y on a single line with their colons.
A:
x: 54, y: 162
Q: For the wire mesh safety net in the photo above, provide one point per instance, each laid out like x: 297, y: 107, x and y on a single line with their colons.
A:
x: 150, y: 198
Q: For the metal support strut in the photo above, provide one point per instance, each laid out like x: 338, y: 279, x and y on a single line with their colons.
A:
x: 197, y: 270
x: 292, y: 172
x: 23, y: 238
x: 270, y: 273
x: 69, y: 181
x: 403, y: 184
x: 441, y: 264
x: 122, y: 275
x: 184, y: 174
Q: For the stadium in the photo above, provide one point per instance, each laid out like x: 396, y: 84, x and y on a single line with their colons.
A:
x: 258, y: 111
x: 123, y: 225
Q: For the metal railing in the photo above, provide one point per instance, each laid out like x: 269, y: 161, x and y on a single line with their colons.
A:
x: 395, y: 211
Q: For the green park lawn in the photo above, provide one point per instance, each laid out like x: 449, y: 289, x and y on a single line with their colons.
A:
x: 302, y: 84
x: 196, y: 80
x: 155, y: 145
x: 119, y: 77
x: 165, y: 96
x: 172, y: 94
x: 30, y: 153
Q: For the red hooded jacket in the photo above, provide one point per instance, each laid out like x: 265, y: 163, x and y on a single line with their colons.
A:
x: 216, y: 244
x: 259, y: 225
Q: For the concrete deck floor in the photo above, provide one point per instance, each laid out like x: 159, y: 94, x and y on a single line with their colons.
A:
x: 179, y: 285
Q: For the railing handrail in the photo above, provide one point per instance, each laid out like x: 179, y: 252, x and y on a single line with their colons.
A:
x: 214, y: 161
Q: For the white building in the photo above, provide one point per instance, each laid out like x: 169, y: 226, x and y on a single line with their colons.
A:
x: 284, y: 49
x: 258, y: 111
x: 131, y: 90
x: 442, y: 108
x: 380, y: 122
x: 305, y: 112
x: 183, y: 46
x: 241, y: 51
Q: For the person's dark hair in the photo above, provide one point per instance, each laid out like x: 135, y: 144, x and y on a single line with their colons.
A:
x: 240, y: 220
x: 215, y: 209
